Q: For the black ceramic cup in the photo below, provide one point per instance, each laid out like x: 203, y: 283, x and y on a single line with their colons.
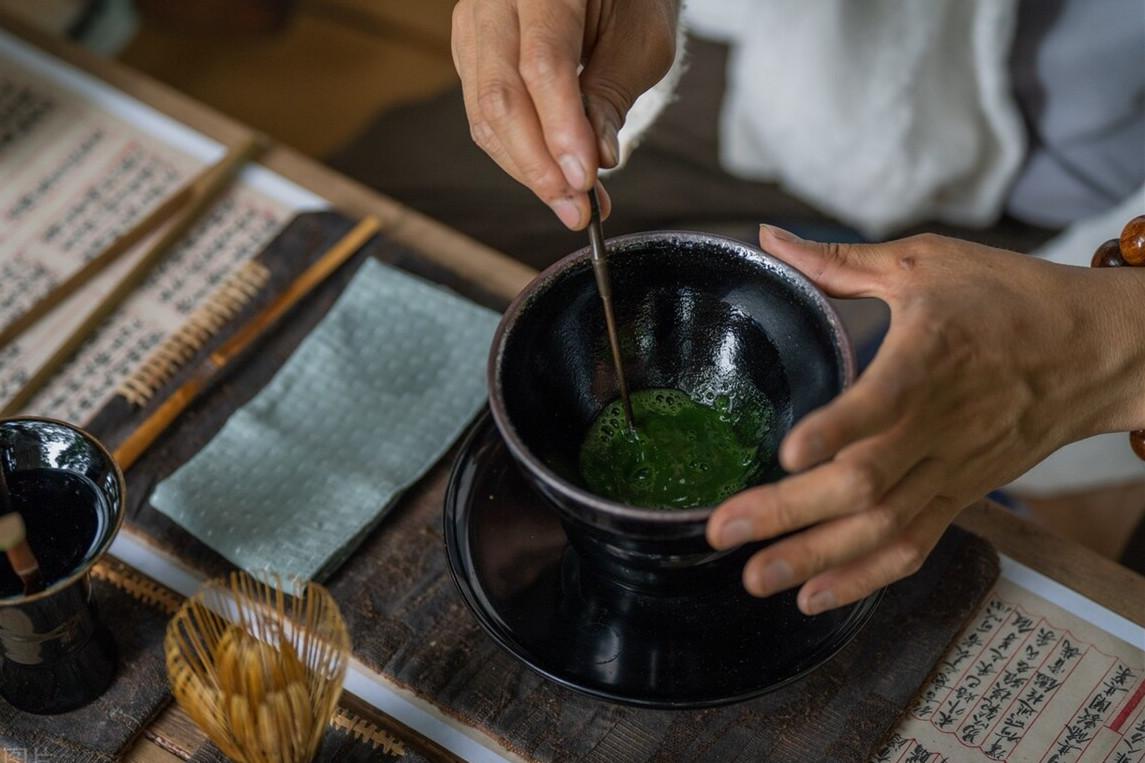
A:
x: 695, y: 312
x: 55, y: 654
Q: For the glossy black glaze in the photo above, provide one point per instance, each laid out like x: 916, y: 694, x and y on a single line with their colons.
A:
x: 695, y: 312
x: 55, y: 654
x: 536, y: 596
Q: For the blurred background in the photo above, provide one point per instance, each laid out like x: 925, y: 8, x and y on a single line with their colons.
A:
x: 310, y: 73
x: 349, y: 81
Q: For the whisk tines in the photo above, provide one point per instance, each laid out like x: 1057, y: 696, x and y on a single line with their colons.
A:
x: 259, y: 667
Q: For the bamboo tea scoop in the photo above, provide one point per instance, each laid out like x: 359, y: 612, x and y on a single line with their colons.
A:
x: 14, y: 542
x: 604, y: 286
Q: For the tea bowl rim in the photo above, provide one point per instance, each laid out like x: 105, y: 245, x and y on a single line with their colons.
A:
x: 102, y: 548
x: 575, y: 494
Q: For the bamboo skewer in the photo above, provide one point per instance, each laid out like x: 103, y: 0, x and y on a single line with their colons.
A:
x: 205, y: 193
x: 155, y: 424
x: 94, y: 266
x: 604, y: 287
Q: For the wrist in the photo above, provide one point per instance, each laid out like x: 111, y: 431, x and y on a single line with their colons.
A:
x: 1113, y: 370
x: 1135, y: 315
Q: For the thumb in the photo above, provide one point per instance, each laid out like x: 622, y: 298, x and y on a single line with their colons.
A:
x: 842, y: 270
x: 626, y: 60
x: 606, y: 111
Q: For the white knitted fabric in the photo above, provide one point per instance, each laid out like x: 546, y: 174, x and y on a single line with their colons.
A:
x: 880, y: 112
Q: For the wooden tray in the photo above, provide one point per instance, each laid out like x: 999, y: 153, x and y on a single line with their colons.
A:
x: 408, y: 622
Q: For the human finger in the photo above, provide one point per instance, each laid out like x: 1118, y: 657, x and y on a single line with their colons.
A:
x: 552, y: 34
x: 892, y: 385
x: 894, y: 561
x: 806, y: 554
x: 506, y: 110
x: 857, y: 480
x: 840, y: 269
x: 626, y: 60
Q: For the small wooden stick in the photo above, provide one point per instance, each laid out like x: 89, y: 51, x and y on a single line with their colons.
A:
x: 93, y: 267
x: 213, y: 184
x: 14, y: 542
x: 155, y: 424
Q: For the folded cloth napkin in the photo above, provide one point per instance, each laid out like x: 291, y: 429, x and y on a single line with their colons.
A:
x: 368, y: 402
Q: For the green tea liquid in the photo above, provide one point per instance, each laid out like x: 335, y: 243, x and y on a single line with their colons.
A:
x: 682, y: 454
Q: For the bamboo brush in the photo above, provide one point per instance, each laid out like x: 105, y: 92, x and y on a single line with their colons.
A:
x: 206, y: 373
x: 14, y: 542
x: 207, y: 191
x: 217, y: 310
x: 259, y: 670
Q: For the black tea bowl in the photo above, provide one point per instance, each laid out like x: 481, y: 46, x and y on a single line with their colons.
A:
x: 700, y: 313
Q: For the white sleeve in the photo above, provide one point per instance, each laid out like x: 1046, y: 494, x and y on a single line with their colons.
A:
x: 1077, y: 243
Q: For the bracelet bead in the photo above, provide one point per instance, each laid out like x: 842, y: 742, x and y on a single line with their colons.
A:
x: 1133, y: 241
x: 1108, y: 255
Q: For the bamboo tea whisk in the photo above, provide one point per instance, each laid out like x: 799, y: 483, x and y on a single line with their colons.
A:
x: 258, y: 669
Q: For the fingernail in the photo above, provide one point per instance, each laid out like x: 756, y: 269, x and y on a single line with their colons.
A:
x: 775, y: 576
x: 820, y: 602
x: 568, y: 212
x: 610, y: 145
x: 779, y: 233
x: 574, y: 172
x: 735, y: 533
x: 605, y: 201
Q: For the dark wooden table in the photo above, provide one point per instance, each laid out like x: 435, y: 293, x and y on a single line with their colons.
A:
x: 173, y: 737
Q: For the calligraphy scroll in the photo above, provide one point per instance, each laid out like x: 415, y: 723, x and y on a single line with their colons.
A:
x: 77, y: 177
x: 1028, y: 681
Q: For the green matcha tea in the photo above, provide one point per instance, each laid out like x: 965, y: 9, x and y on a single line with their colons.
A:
x: 682, y: 454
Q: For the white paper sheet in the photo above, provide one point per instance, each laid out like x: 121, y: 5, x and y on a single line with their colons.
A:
x: 82, y: 162
x: 1041, y: 673
x: 103, y: 97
